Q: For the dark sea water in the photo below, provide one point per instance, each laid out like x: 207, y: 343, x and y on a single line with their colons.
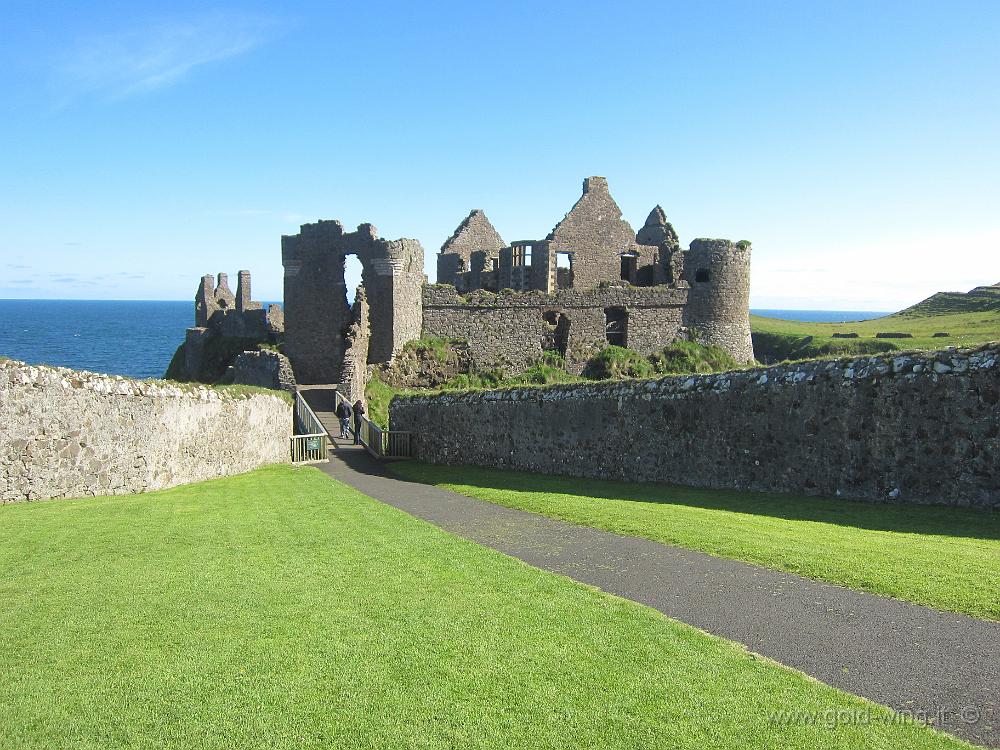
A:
x: 139, y: 338
x: 124, y: 338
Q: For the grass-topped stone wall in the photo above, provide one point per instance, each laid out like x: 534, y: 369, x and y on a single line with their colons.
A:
x: 916, y: 427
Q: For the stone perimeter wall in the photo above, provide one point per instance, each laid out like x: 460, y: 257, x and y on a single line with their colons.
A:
x: 918, y: 428
x: 65, y: 433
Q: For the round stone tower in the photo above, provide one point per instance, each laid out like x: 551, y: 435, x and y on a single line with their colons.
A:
x: 718, y: 307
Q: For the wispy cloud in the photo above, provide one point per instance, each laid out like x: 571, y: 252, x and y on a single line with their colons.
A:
x: 159, y: 54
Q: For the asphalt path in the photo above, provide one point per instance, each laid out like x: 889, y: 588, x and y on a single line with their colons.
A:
x: 938, y: 666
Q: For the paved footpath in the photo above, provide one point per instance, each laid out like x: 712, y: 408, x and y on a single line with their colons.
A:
x: 902, y: 655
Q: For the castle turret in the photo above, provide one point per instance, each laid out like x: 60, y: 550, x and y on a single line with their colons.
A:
x: 718, y: 307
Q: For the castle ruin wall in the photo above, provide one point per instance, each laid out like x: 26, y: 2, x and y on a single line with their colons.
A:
x: 511, y: 331
x: 317, y: 313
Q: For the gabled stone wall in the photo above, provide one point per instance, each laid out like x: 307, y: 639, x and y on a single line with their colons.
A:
x: 918, y: 428
x: 469, y: 252
x: 596, y: 236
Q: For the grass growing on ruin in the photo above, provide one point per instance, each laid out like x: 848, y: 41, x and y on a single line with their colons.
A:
x: 611, y: 363
x: 437, y: 347
x: 378, y: 394
x: 279, y: 608
x: 940, y: 557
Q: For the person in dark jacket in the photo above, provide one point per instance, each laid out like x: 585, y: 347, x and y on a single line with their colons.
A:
x: 344, y: 415
x: 359, y: 412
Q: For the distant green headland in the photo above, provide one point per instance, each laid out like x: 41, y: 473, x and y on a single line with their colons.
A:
x: 944, y: 319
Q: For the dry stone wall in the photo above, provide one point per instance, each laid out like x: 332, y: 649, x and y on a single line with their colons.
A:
x: 65, y: 433
x: 919, y: 428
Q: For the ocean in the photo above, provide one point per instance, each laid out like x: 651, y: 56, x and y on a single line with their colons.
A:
x: 119, y: 337
x: 138, y: 339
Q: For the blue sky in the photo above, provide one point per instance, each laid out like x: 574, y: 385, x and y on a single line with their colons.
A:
x: 856, y: 144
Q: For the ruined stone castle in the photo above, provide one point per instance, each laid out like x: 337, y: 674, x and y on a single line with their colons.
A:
x: 591, y: 282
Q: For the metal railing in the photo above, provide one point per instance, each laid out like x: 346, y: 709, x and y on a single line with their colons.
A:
x: 309, y: 449
x: 385, y: 443
x: 381, y: 443
x: 309, y: 443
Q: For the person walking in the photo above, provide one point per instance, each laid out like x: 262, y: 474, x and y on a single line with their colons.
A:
x: 359, y: 412
x: 344, y: 415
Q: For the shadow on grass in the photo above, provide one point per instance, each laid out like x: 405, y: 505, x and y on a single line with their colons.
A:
x: 907, y: 519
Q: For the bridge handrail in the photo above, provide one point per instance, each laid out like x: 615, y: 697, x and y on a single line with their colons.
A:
x: 305, y: 418
x: 378, y: 442
x: 309, y: 443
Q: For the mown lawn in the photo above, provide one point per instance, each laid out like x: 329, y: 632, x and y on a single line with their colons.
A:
x: 279, y: 609
x: 942, y: 557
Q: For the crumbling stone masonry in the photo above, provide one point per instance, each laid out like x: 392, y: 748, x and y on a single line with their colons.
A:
x: 356, y: 371
x: 589, y: 283
x: 223, y: 321
x: 511, y: 331
x: 317, y: 313
x: 471, y: 254
x: 264, y: 369
x: 916, y: 428
x: 68, y: 433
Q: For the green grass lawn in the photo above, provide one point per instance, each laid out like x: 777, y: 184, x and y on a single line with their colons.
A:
x: 279, y: 609
x: 941, y: 557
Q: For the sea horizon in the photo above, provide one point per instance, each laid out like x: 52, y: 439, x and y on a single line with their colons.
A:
x: 137, y: 338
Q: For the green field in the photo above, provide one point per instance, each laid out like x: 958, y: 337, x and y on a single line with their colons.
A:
x: 968, y: 319
x: 280, y: 609
x: 941, y: 557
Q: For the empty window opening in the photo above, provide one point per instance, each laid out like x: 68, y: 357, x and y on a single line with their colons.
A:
x: 702, y: 275
x: 564, y: 270
x: 352, y: 277
x: 556, y: 338
x: 630, y: 266
x: 521, y: 255
x: 616, y: 325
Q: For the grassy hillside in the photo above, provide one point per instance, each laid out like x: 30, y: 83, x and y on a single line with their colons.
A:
x: 968, y: 319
